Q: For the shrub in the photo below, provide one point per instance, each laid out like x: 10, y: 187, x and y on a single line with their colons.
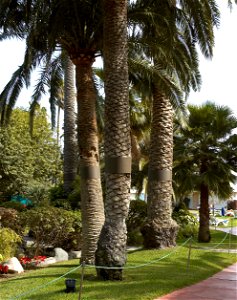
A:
x: 14, y: 205
x: 9, y: 241
x: 135, y: 220
x: 38, y: 193
x: 59, y: 198
x: 53, y: 227
x: 188, y: 224
x: 9, y: 218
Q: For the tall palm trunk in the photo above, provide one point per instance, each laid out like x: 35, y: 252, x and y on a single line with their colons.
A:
x: 112, y: 243
x: 92, y: 207
x: 70, y: 143
x: 160, y: 230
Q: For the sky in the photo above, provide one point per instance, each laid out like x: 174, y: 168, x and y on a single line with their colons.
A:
x: 219, y: 74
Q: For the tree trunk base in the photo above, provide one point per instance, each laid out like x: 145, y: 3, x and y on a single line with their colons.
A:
x: 159, y: 237
x: 111, y: 252
x: 204, y: 235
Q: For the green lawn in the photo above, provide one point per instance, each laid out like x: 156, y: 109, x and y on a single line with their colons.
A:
x: 148, y: 274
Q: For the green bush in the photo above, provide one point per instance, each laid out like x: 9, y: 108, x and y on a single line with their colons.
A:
x: 9, y: 218
x: 136, y: 218
x: 58, y: 197
x: 53, y: 227
x: 12, y: 204
x: 38, y: 193
x: 188, y: 224
x: 9, y: 241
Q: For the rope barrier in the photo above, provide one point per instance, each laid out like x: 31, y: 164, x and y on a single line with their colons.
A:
x: 99, y: 267
x: 175, y: 250
x: 214, y: 247
x: 141, y: 265
x: 43, y: 285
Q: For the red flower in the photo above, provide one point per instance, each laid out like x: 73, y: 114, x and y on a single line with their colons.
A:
x: 5, y: 269
x: 34, y: 261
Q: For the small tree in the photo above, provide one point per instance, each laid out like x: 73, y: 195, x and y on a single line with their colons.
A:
x: 25, y: 159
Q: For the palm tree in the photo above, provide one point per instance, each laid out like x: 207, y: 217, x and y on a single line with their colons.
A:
x: 112, y: 242
x: 178, y: 31
x: 48, y: 26
x: 82, y: 42
x: 205, y: 157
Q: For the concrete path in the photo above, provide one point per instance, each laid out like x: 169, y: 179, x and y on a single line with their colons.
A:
x: 221, y: 286
x: 232, y: 230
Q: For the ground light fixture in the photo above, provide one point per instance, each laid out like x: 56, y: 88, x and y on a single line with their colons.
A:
x: 70, y: 285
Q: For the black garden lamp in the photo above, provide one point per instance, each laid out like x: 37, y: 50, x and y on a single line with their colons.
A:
x: 70, y: 285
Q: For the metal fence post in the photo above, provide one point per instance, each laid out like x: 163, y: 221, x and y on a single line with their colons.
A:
x: 189, y: 254
x: 81, y: 282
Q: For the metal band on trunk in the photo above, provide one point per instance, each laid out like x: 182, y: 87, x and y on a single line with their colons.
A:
x: 89, y: 172
x: 118, y: 165
x: 160, y: 175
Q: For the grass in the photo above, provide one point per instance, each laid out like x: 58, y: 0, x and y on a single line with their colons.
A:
x: 219, y: 240
x: 161, y: 276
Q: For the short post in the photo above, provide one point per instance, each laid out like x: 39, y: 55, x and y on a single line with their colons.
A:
x: 230, y: 233
x: 229, y: 241
x: 82, y: 277
x: 189, y: 254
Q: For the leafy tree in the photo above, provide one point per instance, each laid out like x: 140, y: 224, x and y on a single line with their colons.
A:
x: 47, y: 26
x: 205, y: 157
x: 24, y: 158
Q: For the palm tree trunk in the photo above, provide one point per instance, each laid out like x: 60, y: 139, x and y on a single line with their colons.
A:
x: 92, y: 207
x: 112, y: 243
x: 70, y: 163
x: 160, y: 230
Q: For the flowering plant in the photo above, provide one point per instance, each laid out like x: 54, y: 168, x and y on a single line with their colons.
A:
x: 3, y: 269
x: 31, y: 262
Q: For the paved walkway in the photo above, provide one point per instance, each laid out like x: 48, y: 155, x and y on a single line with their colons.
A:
x: 221, y: 286
x: 233, y: 230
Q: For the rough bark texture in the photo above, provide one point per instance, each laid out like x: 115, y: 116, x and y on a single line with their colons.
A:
x: 70, y: 163
x: 204, y: 217
x: 160, y: 230
x: 112, y: 243
x: 92, y: 206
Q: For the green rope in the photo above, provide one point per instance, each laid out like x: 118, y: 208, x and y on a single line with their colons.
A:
x: 43, y: 285
x: 98, y: 267
x: 214, y: 247
x: 141, y: 265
